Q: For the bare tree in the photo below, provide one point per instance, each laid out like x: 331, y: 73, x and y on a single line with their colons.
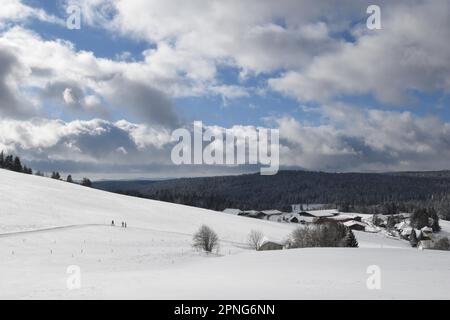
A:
x: 325, y: 235
x: 255, y: 239
x: 205, y: 239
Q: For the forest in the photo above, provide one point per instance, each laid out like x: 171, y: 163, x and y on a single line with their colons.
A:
x: 363, y: 192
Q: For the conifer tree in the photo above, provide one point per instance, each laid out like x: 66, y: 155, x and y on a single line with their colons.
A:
x: 17, y: 166
x: 413, y: 238
x: 350, y: 239
x: 56, y: 175
x: 86, y: 182
x: 8, y: 164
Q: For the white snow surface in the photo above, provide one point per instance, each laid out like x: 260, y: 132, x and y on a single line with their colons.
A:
x: 48, y: 225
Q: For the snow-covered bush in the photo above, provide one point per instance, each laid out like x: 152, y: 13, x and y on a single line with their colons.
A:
x: 255, y: 239
x: 205, y: 239
x: 324, y: 235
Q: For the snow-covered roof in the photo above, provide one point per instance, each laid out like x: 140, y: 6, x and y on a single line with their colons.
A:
x: 271, y: 212
x: 301, y: 218
x: 266, y: 239
x: 407, y: 231
x: 427, y: 229
x: 274, y: 217
x: 232, y: 211
x: 252, y: 213
x: 322, y: 213
x: 342, y: 217
x: 353, y: 223
x: 401, y: 225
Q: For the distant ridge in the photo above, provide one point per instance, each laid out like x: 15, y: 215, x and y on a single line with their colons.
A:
x: 254, y: 191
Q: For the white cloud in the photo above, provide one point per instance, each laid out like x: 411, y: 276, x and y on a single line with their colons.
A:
x: 353, y: 139
x: 302, y: 39
x: 79, y: 80
x: 256, y: 36
x: 409, y: 54
x: 349, y: 139
x: 94, y: 141
x: 15, y: 11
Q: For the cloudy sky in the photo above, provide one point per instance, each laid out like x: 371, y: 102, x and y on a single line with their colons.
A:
x: 104, y: 99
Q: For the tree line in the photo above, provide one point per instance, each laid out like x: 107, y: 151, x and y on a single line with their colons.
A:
x: 13, y: 163
x: 360, y: 192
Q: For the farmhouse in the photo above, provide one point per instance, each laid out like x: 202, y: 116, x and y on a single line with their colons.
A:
x: 271, y: 212
x: 273, y: 215
x: 402, y: 225
x: 254, y: 214
x: 297, y: 218
x: 270, y: 245
x: 427, y: 231
x: 319, y: 213
x: 355, y: 225
x: 236, y: 212
x: 306, y: 206
x: 425, y: 244
x: 339, y: 218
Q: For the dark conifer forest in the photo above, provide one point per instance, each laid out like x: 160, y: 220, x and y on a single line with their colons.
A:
x: 365, y: 192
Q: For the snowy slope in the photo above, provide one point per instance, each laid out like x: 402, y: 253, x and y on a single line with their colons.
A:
x: 32, y: 202
x: 48, y: 225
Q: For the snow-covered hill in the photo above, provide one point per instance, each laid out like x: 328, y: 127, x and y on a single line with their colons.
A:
x: 47, y: 226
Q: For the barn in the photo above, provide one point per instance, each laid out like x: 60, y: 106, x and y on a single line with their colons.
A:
x: 233, y: 211
x: 355, y: 225
x: 319, y: 213
x: 270, y: 245
x: 297, y: 218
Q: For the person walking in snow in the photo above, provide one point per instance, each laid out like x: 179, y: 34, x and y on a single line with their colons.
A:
x: 125, y: 224
x: 112, y: 223
x: 122, y: 224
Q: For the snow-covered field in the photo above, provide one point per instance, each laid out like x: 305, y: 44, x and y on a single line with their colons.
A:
x: 47, y: 226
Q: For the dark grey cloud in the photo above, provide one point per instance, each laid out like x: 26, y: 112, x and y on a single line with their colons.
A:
x: 11, y: 105
x: 111, y: 143
x: 148, y: 104
x: 72, y: 97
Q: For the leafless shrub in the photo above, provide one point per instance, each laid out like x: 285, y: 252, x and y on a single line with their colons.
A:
x: 254, y: 239
x: 205, y: 239
x: 324, y: 235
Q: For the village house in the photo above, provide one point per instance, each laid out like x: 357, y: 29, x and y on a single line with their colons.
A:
x: 340, y: 218
x: 425, y: 244
x: 267, y: 244
x: 272, y: 215
x: 355, y: 225
x: 236, y: 212
x: 319, y: 213
x: 254, y: 214
x: 296, y: 208
x: 297, y: 218
x: 427, y: 232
